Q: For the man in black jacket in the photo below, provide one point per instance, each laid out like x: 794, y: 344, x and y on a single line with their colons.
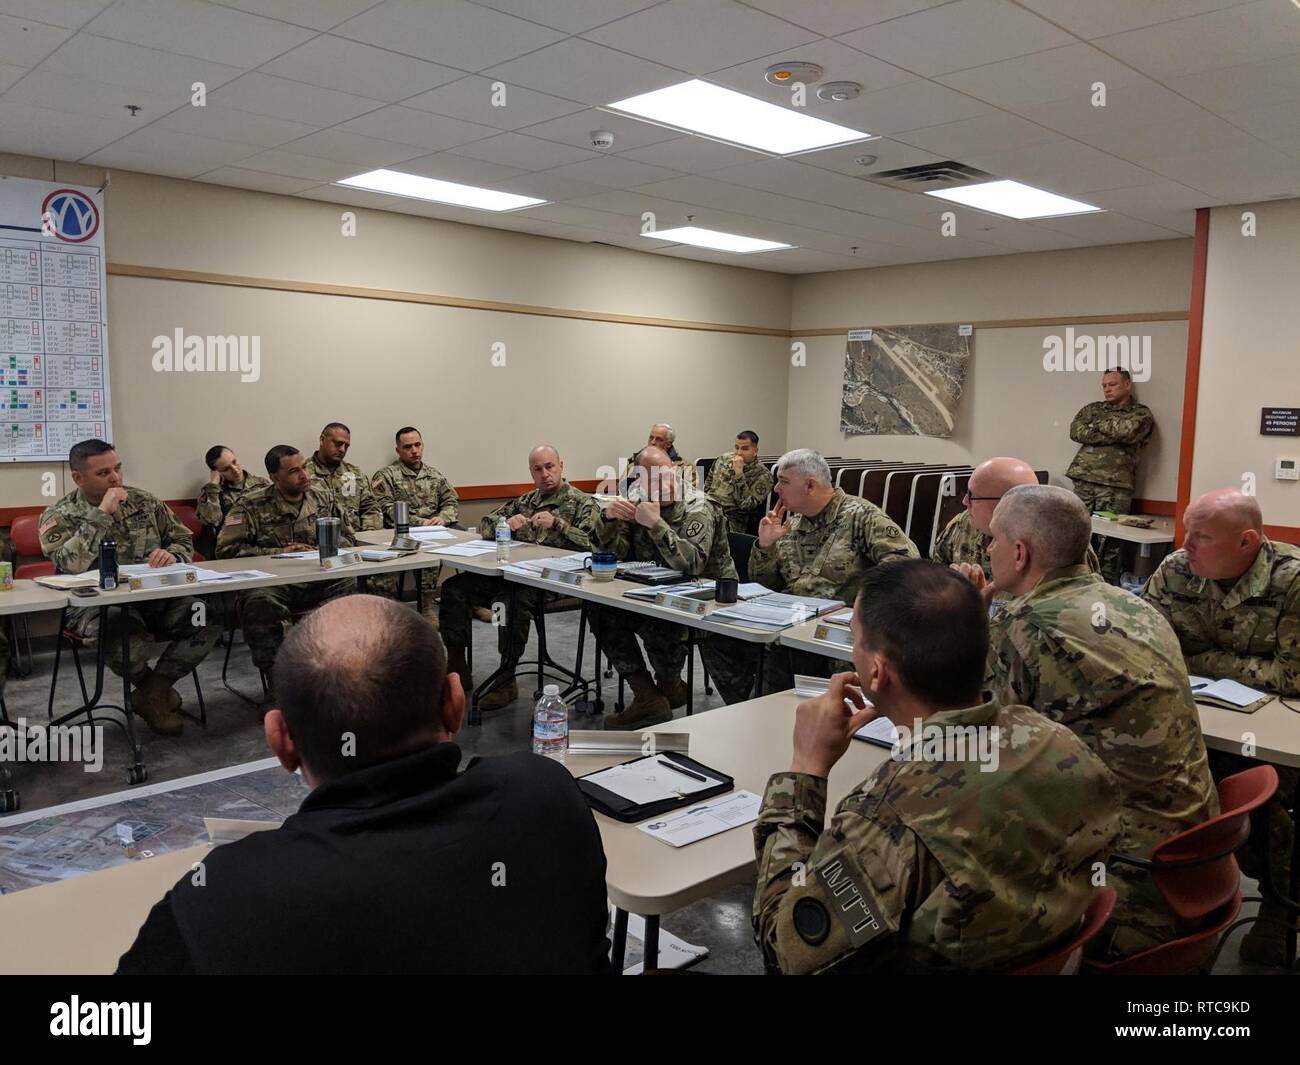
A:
x: 395, y: 863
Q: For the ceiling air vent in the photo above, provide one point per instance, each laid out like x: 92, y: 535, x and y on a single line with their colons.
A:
x: 946, y: 175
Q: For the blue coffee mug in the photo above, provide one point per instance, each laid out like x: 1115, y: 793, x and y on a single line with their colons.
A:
x: 603, y: 565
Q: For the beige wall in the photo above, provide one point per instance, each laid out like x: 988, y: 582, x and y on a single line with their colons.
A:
x: 591, y: 388
x: 1250, y: 354
x: 1010, y: 405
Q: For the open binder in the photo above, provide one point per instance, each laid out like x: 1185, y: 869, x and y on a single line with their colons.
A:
x: 653, y: 785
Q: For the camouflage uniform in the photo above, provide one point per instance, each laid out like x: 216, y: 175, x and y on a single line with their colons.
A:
x: 689, y: 537
x: 71, y: 531
x: 960, y: 541
x: 932, y: 866
x: 1250, y: 633
x: 576, y: 514
x: 823, y: 556
x: 739, y: 494
x: 428, y: 494
x: 1104, y: 470
x: 351, y: 491
x: 688, y: 471
x: 215, y: 500
x: 1098, y: 659
x: 263, y: 522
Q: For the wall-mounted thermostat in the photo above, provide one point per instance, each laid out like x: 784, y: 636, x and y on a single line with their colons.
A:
x: 1287, y: 470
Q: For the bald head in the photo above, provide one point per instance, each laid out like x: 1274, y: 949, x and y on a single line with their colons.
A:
x: 1036, y: 529
x: 546, y: 469
x: 358, y: 681
x: 658, y: 480
x: 989, y: 482
x: 1224, y: 532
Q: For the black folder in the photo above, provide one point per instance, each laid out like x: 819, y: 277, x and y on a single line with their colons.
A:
x: 621, y: 809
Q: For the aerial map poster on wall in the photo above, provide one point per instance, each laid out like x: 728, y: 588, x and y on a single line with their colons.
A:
x: 53, y: 320
x: 904, y: 380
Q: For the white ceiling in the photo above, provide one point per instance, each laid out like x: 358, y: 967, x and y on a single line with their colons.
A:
x: 1201, y: 109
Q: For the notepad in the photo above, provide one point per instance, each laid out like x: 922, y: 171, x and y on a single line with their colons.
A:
x: 1228, y: 694
x: 880, y: 731
x: 649, y: 780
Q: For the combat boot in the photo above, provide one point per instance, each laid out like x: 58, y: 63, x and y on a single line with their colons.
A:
x: 500, y: 696
x: 673, y: 689
x: 648, y: 707
x: 1265, y: 941
x: 456, y: 664
x: 153, y: 701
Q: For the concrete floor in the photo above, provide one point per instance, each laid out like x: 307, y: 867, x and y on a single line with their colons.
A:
x: 76, y: 840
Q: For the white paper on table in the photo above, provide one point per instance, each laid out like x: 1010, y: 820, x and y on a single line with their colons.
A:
x: 1228, y: 690
x: 431, y: 532
x: 751, y: 590
x: 708, y: 819
x: 143, y: 569
x: 297, y: 554
x: 839, y: 617
x: 230, y: 575
x: 471, y: 549
x: 880, y: 731
x: 566, y: 563
x: 648, y: 780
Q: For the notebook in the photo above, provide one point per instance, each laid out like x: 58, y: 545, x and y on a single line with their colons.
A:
x: 1228, y: 694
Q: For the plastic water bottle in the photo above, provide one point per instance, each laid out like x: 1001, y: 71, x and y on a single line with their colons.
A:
x: 551, y: 724
x: 503, y: 540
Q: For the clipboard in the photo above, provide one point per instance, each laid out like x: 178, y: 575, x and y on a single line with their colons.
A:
x: 622, y: 809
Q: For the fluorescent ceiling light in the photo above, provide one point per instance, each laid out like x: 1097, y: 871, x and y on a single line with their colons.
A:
x: 713, y: 238
x: 1014, y: 199
x: 723, y: 114
x: 395, y: 183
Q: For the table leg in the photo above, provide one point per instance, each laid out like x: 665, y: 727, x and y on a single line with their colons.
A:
x: 137, y: 774
x: 690, y: 672
x: 504, y: 667
x: 651, y: 943
x: 1293, y: 894
x: 762, y: 664
x: 619, y: 942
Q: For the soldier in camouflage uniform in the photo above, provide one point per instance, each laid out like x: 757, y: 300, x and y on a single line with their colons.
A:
x: 102, y: 508
x: 964, y: 541
x: 228, y: 481
x: 1104, y: 470
x: 281, y: 517
x: 976, y: 855
x: 554, y: 514
x: 662, y: 435
x: 824, y: 550
x: 676, y: 527
x: 344, y: 480
x: 739, y: 482
x: 1098, y: 659
x: 430, y: 499
x: 1233, y: 597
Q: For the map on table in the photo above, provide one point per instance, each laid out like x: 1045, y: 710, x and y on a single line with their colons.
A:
x: 904, y: 380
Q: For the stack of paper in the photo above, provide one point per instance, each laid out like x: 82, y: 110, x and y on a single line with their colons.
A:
x: 470, y: 549
x: 1228, y: 694
x: 775, y: 610
x: 431, y: 532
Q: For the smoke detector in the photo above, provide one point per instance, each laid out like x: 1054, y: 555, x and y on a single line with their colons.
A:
x: 789, y: 73
x: 837, y: 92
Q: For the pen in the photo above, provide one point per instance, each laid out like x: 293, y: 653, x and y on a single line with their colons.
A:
x: 1198, y: 687
x: 684, y: 772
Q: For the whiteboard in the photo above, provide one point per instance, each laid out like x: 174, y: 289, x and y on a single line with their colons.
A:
x: 53, y: 320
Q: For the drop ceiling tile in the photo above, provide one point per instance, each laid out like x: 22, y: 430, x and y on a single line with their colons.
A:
x: 293, y: 164
x: 890, y: 155
x: 266, y: 95
x: 911, y: 106
x: 314, y: 14
x: 1099, y: 18
x: 1245, y: 33
x: 341, y: 194
x: 24, y: 42
x: 228, y: 123
x: 458, y: 168
x: 1143, y: 143
x: 576, y: 128
x: 450, y: 32
x: 10, y: 74
x: 1106, y: 228
x: 606, y: 75
x: 62, y: 92
x: 69, y: 14
x: 348, y: 66
x: 524, y: 152
x: 156, y: 142
x: 195, y: 28
x: 1158, y: 196
x: 121, y: 63
x: 692, y: 155
x: 1064, y: 166
x: 1138, y: 104
x: 700, y: 35
x: 958, y: 35
x: 1255, y: 168
x: 408, y: 126
x: 1240, y: 88
x: 252, y: 179
x: 570, y: 16
x: 990, y: 133
x: 613, y: 171
x: 472, y: 99
x: 569, y: 215
x: 547, y: 185
x: 799, y: 181
x: 365, y: 153
x: 1043, y: 77
x: 831, y: 17
x: 39, y: 131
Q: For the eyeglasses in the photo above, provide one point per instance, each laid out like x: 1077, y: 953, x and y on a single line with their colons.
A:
x: 968, y: 498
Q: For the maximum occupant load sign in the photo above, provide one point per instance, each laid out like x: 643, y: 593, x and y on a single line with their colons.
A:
x: 53, y: 320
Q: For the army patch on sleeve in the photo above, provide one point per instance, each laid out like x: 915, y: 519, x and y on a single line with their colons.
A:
x: 233, y: 518
x: 848, y: 895
x: 694, y: 527
x: 48, y: 524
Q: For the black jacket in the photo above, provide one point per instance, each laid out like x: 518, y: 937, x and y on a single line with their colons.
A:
x: 402, y: 867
